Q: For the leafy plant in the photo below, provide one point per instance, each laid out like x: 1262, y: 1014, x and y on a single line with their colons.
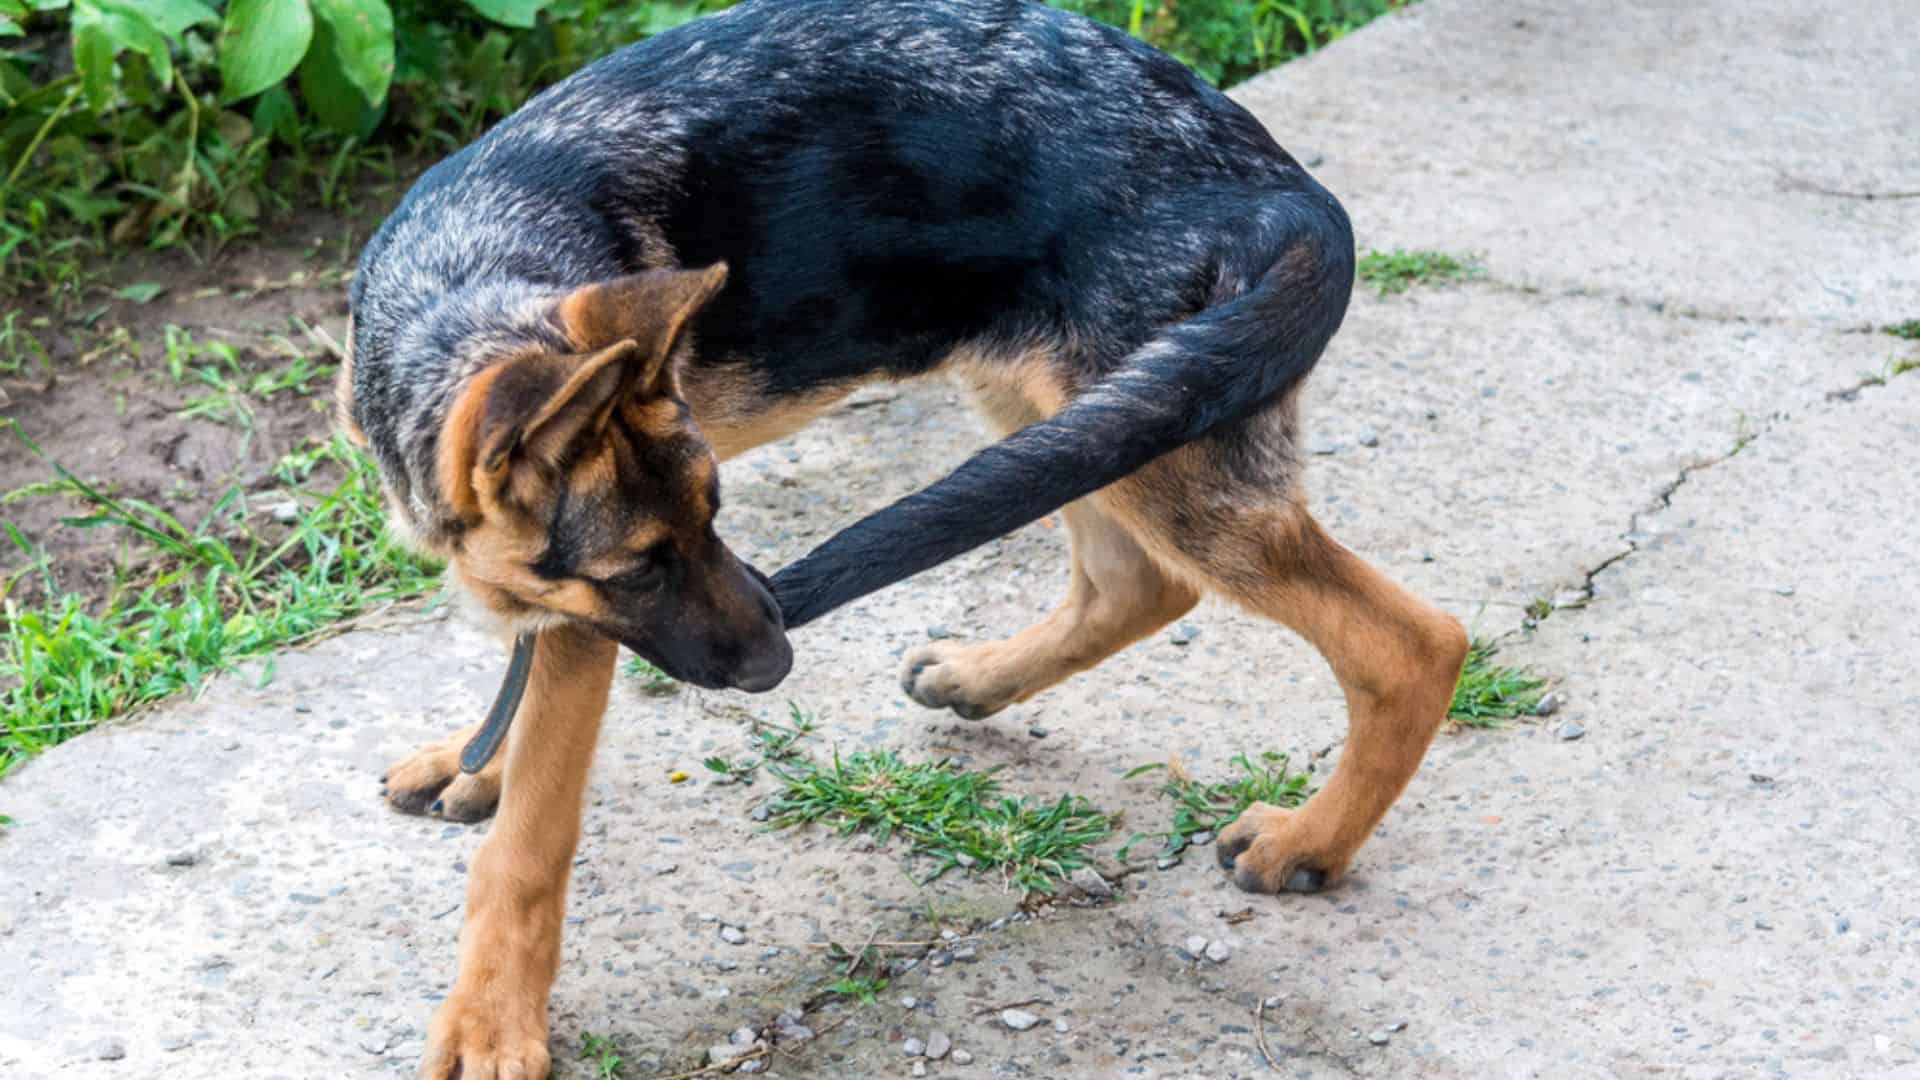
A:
x: 1209, y: 807
x: 1396, y: 271
x: 599, y: 1053
x: 1489, y: 693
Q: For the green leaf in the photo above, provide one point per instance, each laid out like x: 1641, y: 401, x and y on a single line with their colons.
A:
x: 330, y: 95
x: 172, y: 17
x: 140, y: 292
x: 274, y: 114
x: 261, y: 43
x: 362, y: 43
x: 518, y: 13
x: 9, y: 28
x: 102, y: 30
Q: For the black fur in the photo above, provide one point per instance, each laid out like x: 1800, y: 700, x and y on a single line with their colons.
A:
x: 888, y: 180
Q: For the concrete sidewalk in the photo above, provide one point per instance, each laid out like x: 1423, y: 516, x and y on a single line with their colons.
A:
x: 1659, y: 392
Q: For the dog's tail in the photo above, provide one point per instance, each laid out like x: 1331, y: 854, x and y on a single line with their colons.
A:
x: 1219, y: 365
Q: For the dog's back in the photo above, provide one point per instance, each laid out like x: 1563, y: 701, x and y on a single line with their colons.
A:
x: 890, y: 181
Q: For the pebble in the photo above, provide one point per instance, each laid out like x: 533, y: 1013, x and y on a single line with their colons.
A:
x: 732, y: 935
x: 909, y: 1002
x: 965, y: 952
x: 1548, y: 704
x: 667, y: 869
x: 919, y: 1068
x: 1018, y: 1019
x: 1378, y: 1038
x: 1037, y: 732
x: 938, y: 1045
x: 1397, y: 1026
x: 1060, y: 1025
x: 1089, y: 881
x: 109, y: 1050
x: 1219, y: 951
x: 286, y: 513
x: 938, y: 632
x: 962, y: 1057
x: 1572, y: 598
x: 762, y: 812
x: 1324, y: 447
x: 182, y: 858
x: 1166, y: 862
x: 1369, y: 437
x: 1762, y: 924
x: 1841, y: 924
x: 1569, y: 731
x: 1274, y: 1001
x: 1184, y: 634
x: 1196, y: 946
x: 743, y: 1036
x: 756, y: 1065
x: 1204, y: 836
x: 913, y: 1048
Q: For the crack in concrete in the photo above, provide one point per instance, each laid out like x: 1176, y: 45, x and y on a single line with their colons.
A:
x: 1663, y: 498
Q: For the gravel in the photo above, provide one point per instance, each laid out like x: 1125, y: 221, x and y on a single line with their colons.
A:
x: 962, y: 1057
x: 1569, y: 731
x: 938, y: 1045
x: 1196, y: 946
x: 1219, y: 951
x: 1548, y: 704
x: 1369, y: 437
x: 1060, y: 1025
x: 109, y: 1050
x: 1184, y: 634
x: 732, y: 935
x: 1378, y: 1038
x: 913, y: 1048
x: 1018, y: 1019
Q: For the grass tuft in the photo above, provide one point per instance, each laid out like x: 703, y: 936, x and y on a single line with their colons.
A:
x: 1203, y: 808
x: 1396, y: 271
x: 199, y: 600
x: 1907, y: 331
x: 957, y: 817
x: 1488, y: 694
x: 651, y: 679
x: 599, y: 1054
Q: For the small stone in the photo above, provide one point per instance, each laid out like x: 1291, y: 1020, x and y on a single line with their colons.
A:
x: 743, y: 1036
x: 966, y: 861
x: 1089, y: 881
x: 707, y: 916
x: 1219, y: 951
x: 909, y: 1002
x: 1204, y: 836
x: 1397, y: 1026
x: 962, y: 1057
x: 761, y: 812
x: 758, y: 1064
x: 966, y: 952
x: 176, y: 1042
x: 1184, y: 634
x: 938, y: 1045
x: 286, y: 513
x: 913, y: 1048
x: 1569, y: 731
x: 182, y: 858
x: 1378, y: 1038
x: 1166, y: 862
x: 732, y: 935
x: 1060, y: 1025
x: 1548, y: 704
x: 1196, y: 946
x: 1274, y: 1001
x: 109, y: 1050
x: 1369, y: 437
x: 667, y: 869
x: 1841, y: 924
x: 1572, y: 598
x: 1037, y: 732
x: 919, y: 1068
x: 1783, y: 590
x: 1323, y: 447
x: 1763, y: 923
x: 938, y: 632
x: 1018, y: 1019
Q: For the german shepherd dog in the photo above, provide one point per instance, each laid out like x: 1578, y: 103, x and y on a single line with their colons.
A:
x: 701, y: 242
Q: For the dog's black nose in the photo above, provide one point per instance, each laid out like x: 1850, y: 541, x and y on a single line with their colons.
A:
x: 765, y: 667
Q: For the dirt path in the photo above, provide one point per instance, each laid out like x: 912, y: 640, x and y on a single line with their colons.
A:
x: 1705, y: 864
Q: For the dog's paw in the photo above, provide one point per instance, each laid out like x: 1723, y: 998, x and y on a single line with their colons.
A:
x: 950, y: 675
x: 472, y: 1038
x: 430, y: 782
x: 1270, y: 850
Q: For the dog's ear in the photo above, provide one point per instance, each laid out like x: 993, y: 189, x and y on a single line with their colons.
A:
x: 650, y: 309
x: 540, y: 409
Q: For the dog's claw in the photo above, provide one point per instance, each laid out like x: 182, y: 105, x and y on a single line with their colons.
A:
x: 1306, y: 880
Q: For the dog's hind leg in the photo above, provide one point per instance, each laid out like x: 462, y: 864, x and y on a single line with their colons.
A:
x: 494, y: 1022
x: 1225, y: 514
x: 1117, y: 596
x: 429, y: 781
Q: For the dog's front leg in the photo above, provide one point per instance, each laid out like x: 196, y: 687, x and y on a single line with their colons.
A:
x: 494, y: 1023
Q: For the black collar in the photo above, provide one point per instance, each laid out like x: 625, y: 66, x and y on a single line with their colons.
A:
x: 487, y: 741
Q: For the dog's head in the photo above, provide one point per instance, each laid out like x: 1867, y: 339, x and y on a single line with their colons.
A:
x: 588, y: 494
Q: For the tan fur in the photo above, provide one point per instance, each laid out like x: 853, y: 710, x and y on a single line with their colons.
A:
x: 343, y: 395
x: 494, y: 1022
x: 735, y: 411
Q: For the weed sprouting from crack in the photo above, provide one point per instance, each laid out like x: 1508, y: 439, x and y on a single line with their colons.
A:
x: 1396, y: 271
x: 1489, y: 694
x: 1209, y: 807
x: 958, y: 817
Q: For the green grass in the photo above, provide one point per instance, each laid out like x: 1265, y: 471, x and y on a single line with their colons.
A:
x: 1489, y: 694
x: 599, y: 1054
x: 1397, y: 271
x: 958, y: 818
x: 651, y: 679
x: 194, y: 601
x: 1906, y: 331
x: 1209, y: 807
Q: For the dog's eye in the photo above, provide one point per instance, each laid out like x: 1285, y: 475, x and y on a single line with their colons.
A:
x: 644, y: 575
